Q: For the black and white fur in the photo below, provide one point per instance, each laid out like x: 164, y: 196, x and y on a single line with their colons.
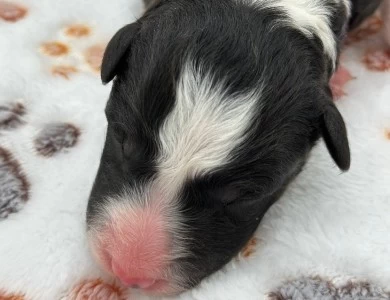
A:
x: 219, y: 102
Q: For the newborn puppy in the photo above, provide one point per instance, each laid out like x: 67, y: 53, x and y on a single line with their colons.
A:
x: 215, y: 108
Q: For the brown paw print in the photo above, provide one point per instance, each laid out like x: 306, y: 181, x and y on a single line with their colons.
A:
x: 96, y: 290
x: 370, y: 27
x: 377, y: 60
x: 7, y: 296
x: 387, y: 134
x: 11, y: 115
x: 339, y: 80
x: 55, y: 138
x: 11, y: 12
x: 14, y: 187
x: 77, y: 48
x: 249, y: 249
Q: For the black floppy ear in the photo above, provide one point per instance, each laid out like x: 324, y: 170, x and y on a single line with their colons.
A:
x: 115, y: 51
x: 335, y: 136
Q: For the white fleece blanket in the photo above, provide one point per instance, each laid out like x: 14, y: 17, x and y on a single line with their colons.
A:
x: 327, y: 238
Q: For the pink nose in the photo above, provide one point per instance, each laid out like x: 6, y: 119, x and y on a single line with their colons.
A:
x: 127, y: 279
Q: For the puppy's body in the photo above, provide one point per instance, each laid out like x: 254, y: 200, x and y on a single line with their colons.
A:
x: 214, y: 110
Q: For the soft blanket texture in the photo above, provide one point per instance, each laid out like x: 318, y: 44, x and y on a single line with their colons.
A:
x: 327, y: 238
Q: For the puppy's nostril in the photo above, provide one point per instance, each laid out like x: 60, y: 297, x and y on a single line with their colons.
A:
x: 128, y: 280
x: 140, y: 283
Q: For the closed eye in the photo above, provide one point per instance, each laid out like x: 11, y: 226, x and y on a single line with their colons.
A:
x: 120, y: 136
x: 226, y: 194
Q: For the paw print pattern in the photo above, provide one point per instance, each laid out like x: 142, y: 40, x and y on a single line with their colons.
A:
x: 11, y: 12
x: 7, y: 296
x: 77, y: 31
x: 14, y: 187
x: 377, y: 60
x: 249, y: 249
x: 338, y: 82
x: 54, y: 49
x: 96, y: 289
x: 77, y: 48
x: 55, y: 138
x: 387, y: 134
x: 64, y: 71
x: 11, y: 115
x: 94, y: 55
x: 321, y: 288
x: 370, y: 27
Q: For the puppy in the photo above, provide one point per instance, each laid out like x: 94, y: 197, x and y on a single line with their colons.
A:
x: 215, y: 107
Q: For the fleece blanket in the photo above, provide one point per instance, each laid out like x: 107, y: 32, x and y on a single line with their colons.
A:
x: 327, y: 238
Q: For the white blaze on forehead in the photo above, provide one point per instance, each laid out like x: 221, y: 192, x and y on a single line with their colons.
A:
x: 202, y: 129
x: 310, y: 17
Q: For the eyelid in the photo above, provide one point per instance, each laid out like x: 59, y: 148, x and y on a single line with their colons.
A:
x: 227, y: 194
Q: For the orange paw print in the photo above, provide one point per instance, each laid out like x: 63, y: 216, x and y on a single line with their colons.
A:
x: 77, y: 48
x: 338, y: 82
x: 78, y: 31
x: 387, y: 134
x: 94, y: 55
x: 370, y: 27
x: 377, y: 60
x: 249, y: 249
x: 54, y: 49
x: 64, y: 71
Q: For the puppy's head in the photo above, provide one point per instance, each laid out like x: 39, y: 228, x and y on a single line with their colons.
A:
x: 209, y: 119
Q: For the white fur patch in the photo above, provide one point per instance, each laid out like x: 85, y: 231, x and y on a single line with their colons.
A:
x: 310, y: 17
x: 203, y: 128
